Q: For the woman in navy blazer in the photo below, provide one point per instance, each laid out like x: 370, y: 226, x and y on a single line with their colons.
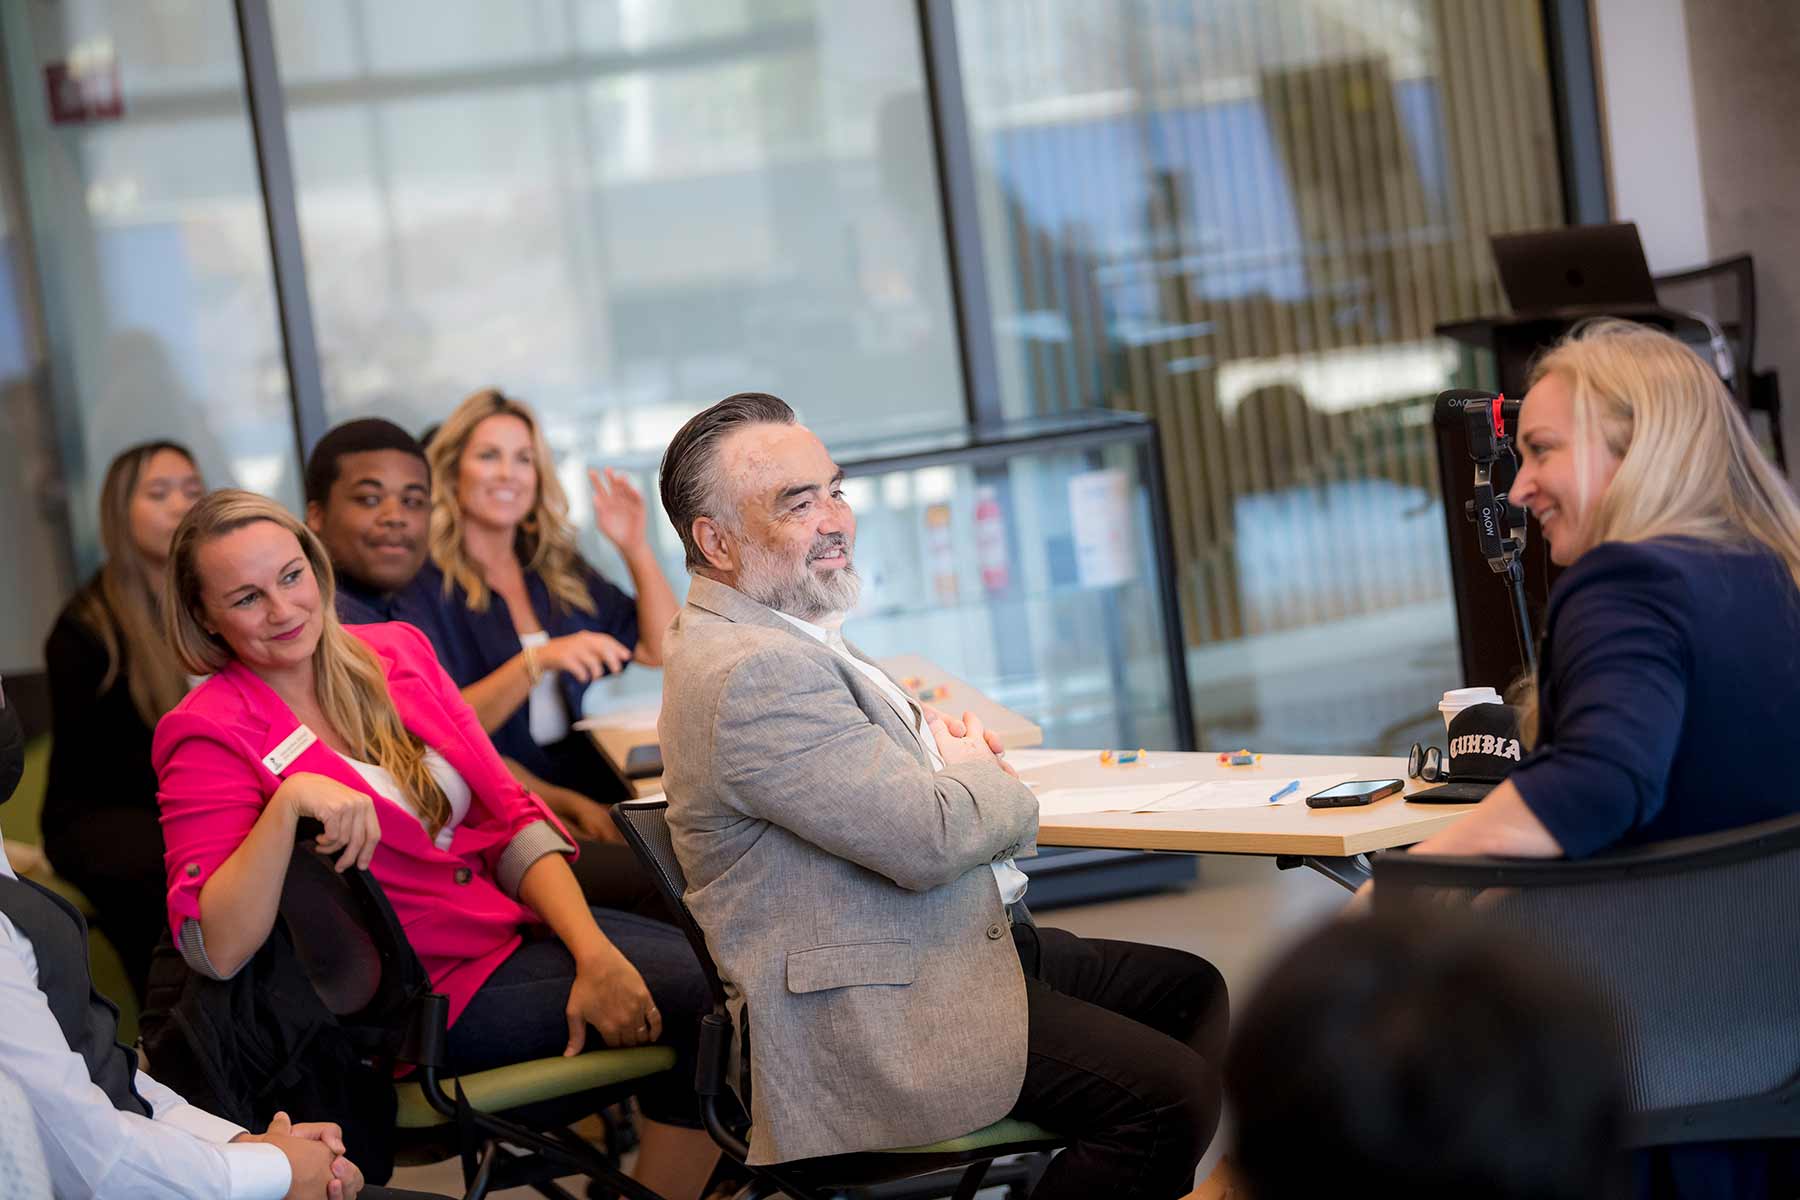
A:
x: 1672, y: 642
x: 520, y: 620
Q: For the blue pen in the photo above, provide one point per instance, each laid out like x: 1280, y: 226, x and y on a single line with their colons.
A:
x: 1294, y: 786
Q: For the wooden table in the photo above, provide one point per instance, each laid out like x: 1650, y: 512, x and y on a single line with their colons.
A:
x: 1334, y: 841
x: 616, y: 739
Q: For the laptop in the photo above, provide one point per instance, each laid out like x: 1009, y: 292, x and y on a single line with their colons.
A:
x: 1593, y: 267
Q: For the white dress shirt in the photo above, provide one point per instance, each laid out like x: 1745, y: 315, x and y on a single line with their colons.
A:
x: 1011, y: 881
x: 91, y: 1147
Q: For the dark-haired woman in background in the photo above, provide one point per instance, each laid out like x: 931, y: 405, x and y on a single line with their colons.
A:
x: 112, y: 677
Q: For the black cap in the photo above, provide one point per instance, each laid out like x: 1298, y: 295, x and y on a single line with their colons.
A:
x: 1484, y: 746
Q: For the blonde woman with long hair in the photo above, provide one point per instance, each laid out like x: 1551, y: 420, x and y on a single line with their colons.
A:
x: 360, y: 729
x: 520, y: 620
x: 1674, y: 632
x: 112, y: 677
x: 1671, y: 656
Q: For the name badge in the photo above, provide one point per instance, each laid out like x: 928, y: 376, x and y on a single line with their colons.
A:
x: 292, y: 746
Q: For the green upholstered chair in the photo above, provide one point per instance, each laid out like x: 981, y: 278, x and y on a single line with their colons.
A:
x: 958, y: 1166
x: 509, y: 1125
x: 21, y: 820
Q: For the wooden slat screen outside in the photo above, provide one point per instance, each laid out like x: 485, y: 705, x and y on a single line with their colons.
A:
x: 1195, y: 209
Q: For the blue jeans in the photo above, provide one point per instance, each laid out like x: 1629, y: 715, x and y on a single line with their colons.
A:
x: 517, y: 1015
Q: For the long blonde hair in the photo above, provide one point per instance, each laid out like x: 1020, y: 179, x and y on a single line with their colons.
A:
x: 546, y: 540
x: 347, y: 675
x: 121, y: 607
x: 1688, y: 465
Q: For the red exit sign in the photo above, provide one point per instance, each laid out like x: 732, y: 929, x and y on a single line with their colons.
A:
x: 84, y: 91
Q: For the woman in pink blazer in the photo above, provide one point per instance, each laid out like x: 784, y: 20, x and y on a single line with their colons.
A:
x: 361, y: 729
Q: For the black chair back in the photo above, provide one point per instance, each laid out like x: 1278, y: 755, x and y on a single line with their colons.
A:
x: 645, y: 824
x: 349, y: 942
x: 1695, y: 948
x: 1723, y: 293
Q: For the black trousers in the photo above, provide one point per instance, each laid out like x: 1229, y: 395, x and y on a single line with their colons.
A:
x: 1123, y: 1059
x: 611, y: 876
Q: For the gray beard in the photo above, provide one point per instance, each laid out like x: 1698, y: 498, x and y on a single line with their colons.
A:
x: 769, y: 581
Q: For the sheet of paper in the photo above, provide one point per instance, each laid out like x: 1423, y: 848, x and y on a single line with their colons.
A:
x: 1060, y: 802
x: 639, y: 719
x: 1037, y: 759
x: 1241, y: 793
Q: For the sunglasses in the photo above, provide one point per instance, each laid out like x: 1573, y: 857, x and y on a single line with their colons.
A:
x: 1427, y: 763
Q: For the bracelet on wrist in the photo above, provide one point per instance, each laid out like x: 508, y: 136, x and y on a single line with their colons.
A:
x: 533, y: 672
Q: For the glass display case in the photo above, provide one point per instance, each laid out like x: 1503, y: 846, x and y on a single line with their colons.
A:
x: 1031, y: 559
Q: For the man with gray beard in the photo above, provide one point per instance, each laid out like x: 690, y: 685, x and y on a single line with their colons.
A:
x: 849, y: 856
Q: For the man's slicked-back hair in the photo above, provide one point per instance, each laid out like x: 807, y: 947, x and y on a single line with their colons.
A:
x: 692, y: 484
x: 355, y: 437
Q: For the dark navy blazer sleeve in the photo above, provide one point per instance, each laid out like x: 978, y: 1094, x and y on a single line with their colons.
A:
x: 1612, y: 698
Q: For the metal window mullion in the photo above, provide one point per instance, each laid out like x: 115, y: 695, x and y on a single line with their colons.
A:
x: 275, y: 174
x: 1575, y: 97
x: 953, y: 151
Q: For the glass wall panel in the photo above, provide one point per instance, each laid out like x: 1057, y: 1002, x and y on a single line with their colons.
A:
x: 1244, y: 217
x: 621, y: 211
x: 140, y: 180
x: 35, y: 568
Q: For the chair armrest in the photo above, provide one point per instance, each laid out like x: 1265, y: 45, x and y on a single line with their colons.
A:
x: 1658, y: 858
x: 427, y: 1029
x: 714, y: 1054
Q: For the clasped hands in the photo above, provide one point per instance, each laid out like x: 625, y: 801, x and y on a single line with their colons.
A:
x: 317, y: 1167
x: 966, y: 740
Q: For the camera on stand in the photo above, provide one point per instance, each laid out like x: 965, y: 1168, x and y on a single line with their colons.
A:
x: 1499, y: 523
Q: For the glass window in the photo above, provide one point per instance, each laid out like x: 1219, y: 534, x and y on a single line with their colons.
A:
x: 140, y: 179
x: 35, y: 569
x: 621, y: 211
x: 1245, y: 218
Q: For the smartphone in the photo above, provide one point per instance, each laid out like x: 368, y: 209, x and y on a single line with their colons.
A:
x: 1357, y: 791
x: 643, y: 761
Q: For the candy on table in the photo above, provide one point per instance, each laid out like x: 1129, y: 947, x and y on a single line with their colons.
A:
x: 939, y: 692
x: 1119, y: 758
x: 912, y: 683
x: 1238, y: 758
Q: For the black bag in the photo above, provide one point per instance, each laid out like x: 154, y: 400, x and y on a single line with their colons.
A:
x: 262, y: 1042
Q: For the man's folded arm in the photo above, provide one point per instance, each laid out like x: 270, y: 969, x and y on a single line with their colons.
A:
x: 793, y: 748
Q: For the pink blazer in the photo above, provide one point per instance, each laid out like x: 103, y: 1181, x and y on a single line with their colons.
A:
x: 209, y: 753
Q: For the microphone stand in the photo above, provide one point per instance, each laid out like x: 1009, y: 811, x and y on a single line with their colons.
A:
x: 1499, y: 523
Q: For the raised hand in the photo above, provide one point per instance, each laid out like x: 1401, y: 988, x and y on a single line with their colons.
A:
x: 618, y: 509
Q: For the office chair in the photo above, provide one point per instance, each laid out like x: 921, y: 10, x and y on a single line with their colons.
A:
x: 1723, y: 294
x: 646, y: 828
x: 351, y: 947
x: 1693, y: 946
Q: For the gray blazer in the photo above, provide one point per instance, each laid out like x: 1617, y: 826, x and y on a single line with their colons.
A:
x: 844, y: 888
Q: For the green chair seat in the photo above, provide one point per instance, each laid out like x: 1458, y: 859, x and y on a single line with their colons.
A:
x: 1006, y: 1131
x: 507, y: 1087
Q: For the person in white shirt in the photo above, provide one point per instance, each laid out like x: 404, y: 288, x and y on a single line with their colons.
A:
x: 109, y: 1130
